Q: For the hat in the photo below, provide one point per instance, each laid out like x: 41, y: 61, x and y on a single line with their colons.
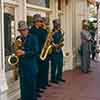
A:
x: 85, y: 22
x: 22, y: 25
x: 45, y: 20
x: 56, y: 22
x: 37, y: 17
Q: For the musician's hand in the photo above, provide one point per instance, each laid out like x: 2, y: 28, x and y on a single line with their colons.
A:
x: 50, y: 40
x: 57, y: 46
x: 20, y: 52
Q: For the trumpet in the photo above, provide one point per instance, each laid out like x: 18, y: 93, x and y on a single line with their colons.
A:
x: 47, y: 48
x: 13, y: 59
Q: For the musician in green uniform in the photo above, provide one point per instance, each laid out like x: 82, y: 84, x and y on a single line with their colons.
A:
x: 57, y: 54
x: 37, y: 31
x: 44, y: 64
x: 28, y: 67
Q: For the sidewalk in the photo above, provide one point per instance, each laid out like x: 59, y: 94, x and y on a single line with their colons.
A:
x: 78, y: 86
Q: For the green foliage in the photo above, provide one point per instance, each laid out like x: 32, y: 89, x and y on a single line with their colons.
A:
x: 29, y: 20
x: 92, y: 29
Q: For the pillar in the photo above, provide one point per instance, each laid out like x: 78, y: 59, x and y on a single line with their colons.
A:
x: 20, y: 13
x: 3, y: 84
x: 74, y: 9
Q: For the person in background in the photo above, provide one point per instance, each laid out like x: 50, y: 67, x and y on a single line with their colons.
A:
x: 93, y: 48
x: 28, y: 67
x: 57, y: 53
x: 85, y: 48
x: 93, y: 42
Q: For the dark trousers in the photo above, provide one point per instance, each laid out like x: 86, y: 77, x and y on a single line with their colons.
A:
x: 85, y: 58
x: 28, y: 89
x: 56, y: 66
x: 43, y: 74
x: 93, y: 55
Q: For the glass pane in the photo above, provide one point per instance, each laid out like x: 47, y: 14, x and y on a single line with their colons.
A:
x: 42, y: 3
x: 59, y: 4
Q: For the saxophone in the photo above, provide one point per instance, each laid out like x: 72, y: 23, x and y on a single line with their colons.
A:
x: 47, y: 48
x: 61, y: 42
x: 62, y: 38
x: 13, y: 59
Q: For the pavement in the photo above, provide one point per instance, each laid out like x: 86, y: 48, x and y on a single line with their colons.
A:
x: 78, y: 86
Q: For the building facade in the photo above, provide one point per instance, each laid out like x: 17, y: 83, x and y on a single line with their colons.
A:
x: 70, y: 12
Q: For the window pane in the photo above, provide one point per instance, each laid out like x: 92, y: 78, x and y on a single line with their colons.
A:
x: 42, y: 3
x: 59, y: 4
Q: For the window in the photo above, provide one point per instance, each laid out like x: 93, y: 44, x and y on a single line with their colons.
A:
x: 59, y: 4
x: 42, y: 3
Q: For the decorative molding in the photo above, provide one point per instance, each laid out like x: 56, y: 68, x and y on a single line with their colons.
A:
x: 11, y: 4
x: 38, y: 8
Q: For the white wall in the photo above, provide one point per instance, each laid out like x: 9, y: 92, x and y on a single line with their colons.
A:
x: 3, y: 84
x: 75, y: 11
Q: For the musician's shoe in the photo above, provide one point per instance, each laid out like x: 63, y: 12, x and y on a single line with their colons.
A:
x: 40, y: 91
x: 62, y: 80
x: 49, y: 85
x: 54, y: 81
x: 43, y: 88
x: 39, y: 95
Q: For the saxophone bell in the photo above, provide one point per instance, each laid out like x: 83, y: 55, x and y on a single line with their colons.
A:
x: 13, y: 59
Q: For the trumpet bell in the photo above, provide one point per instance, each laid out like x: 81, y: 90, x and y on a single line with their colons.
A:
x: 13, y: 60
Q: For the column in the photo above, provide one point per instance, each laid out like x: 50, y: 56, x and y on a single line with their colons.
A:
x: 3, y: 84
x: 68, y: 63
x: 73, y: 11
x: 20, y: 13
x: 80, y: 13
x: 53, y: 15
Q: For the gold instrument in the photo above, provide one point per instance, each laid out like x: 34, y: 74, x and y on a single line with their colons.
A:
x: 47, y: 47
x: 13, y: 59
x: 61, y: 43
x: 62, y: 38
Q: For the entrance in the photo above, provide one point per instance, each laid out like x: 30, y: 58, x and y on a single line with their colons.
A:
x: 9, y: 38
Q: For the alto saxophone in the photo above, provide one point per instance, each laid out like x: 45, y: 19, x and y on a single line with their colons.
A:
x: 13, y: 59
x: 47, y: 47
x: 62, y: 38
x: 61, y: 42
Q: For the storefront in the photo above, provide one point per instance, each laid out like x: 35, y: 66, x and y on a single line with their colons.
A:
x: 70, y: 13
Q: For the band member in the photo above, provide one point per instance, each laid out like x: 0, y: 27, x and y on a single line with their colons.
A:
x: 44, y: 65
x: 36, y: 30
x: 28, y: 67
x: 57, y: 54
x: 85, y: 48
